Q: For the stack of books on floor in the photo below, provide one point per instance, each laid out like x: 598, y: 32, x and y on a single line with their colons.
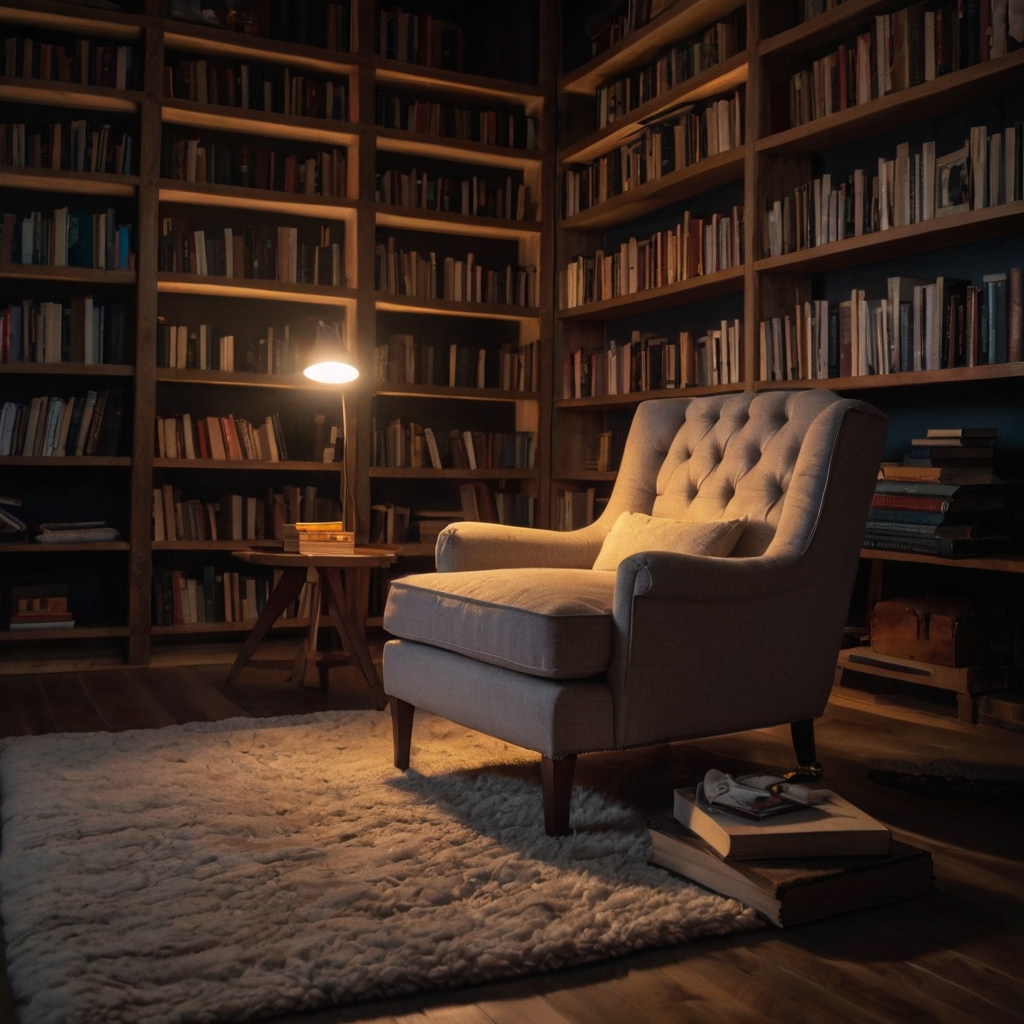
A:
x: 318, y: 539
x: 43, y: 606
x: 944, y: 498
x: 811, y: 862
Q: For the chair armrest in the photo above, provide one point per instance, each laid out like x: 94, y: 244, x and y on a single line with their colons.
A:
x: 462, y: 547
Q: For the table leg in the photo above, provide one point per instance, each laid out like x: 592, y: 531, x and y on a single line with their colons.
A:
x: 284, y: 593
x: 298, y: 676
x: 351, y: 638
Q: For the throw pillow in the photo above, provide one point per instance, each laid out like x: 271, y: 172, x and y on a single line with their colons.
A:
x: 634, y: 532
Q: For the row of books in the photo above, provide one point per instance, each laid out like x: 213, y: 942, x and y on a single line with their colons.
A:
x: 421, y: 39
x: 472, y: 196
x: 398, y: 272
x: 83, y: 61
x: 50, y: 332
x: 255, y: 87
x: 680, y: 140
x: 50, y: 426
x: 684, y: 60
x: 943, y: 499
x: 67, y: 146
x: 414, y: 446
x: 812, y: 8
x: 576, y: 507
x: 40, y: 606
x: 218, y: 163
x: 181, y: 347
x: 322, y: 23
x: 919, y: 325
x: 220, y: 437
x: 649, y: 362
x: 237, y: 516
x: 914, y: 186
x: 68, y: 238
x: 181, y: 600
x: 694, y: 247
x: 426, y: 117
x: 258, y: 252
x: 905, y: 48
x: 623, y: 19
x: 403, y: 360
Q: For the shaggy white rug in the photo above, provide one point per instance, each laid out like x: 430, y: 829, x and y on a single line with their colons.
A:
x: 242, y: 869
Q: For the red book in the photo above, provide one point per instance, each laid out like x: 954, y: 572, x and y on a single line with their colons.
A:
x: 204, y: 446
x: 695, y: 256
x: 234, y: 449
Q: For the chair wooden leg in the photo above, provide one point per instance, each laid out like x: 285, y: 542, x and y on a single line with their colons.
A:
x: 803, y: 741
x: 557, y: 776
x: 401, y: 730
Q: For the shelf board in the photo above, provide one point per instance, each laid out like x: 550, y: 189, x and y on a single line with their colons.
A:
x: 706, y: 174
x: 65, y: 461
x: 76, y: 633
x: 724, y: 77
x: 58, y: 17
x: 68, y: 95
x: 410, y: 219
x: 955, y: 229
x: 66, y: 275
x: 82, y: 183
x: 443, y: 391
x: 225, y: 627
x: 394, y: 140
x: 215, y: 545
x: 406, y: 75
x: 221, y: 43
x: 695, y: 289
x: 636, y: 397
x: 912, y: 378
x: 406, y: 473
x: 34, y: 548
x: 294, y: 381
x: 233, y: 197
x: 447, y: 307
x: 595, y: 476
x: 683, y: 18
x: 425, y: 550
x: 930, y: 99
x: 245, y: 288
x: 830, y: 27
x: 995, y: 563
x: 68, y: 369
x: 259, y: 122
x: 252, y: 465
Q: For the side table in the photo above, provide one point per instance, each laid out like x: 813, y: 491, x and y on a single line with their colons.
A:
x: 343, y: 603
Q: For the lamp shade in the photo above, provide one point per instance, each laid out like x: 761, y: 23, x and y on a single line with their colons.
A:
x: 328, y: 361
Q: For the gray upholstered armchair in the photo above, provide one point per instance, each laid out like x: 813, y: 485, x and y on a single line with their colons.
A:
x: 518, y: 636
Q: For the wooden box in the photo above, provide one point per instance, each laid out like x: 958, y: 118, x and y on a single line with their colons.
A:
x: 942, y: 631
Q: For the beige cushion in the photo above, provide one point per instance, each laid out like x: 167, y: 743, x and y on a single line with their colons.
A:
x: 634, y: 532
x: 554, y: 623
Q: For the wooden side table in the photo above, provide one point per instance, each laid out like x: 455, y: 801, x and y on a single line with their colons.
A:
x: 343, y: 603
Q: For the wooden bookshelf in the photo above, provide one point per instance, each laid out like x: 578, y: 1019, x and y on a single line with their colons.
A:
x: 695, y: 289
x: 216, y: 545
x: 69, y: 96
x: 443, y: 391
x: 199, y: 628
x: 448, y: 307
x: 65, y: 275
x: 724, y: 77
x: 681, y: 19
x: 912, y: 378
x: 407, y: 473
x: 250, y: 465
x: 79, y: 21
x: 991, y: 563
x: 395, y: 140
x: 35, y: 548
x: 234, y: 197
x: 636, y: 397
x: 67, y: 369
x: 246, y: 288
x: 712, y: 172
x: 409, y: 219
x: 239, y: 378
x: 586, y: 476
x: 41, y: 179
x: 67, y: 461
x: 76, y: 633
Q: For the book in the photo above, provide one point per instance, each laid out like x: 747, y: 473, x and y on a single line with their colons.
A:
x: 937, y: 474
x: 833, y: 828
x: 796, y: 890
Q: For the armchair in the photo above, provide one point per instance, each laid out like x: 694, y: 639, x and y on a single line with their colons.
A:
x: 517, y: 636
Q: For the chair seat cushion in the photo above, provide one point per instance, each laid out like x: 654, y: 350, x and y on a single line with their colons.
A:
x: 553, y: 623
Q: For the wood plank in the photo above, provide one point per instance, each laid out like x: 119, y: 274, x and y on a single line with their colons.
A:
x: 535, y: 1009
x: 25, y: 710
x: 70, y: 706
x: 124, y: 702
x: 186, y: 697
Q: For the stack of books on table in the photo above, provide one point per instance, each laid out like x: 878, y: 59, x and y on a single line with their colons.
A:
x: 318, y: 539
x: 943, y: 499
x: 809, y: 863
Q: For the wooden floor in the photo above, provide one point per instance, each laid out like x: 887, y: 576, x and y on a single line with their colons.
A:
x: 954, y: 956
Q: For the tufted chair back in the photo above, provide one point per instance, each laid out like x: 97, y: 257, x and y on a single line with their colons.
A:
x: 765, y: 456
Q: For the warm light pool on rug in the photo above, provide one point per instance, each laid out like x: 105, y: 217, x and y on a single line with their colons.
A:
x: 242, y: 869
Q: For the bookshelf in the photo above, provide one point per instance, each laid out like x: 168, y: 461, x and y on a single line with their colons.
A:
x: 187, y: 83
x: 772, y: 160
